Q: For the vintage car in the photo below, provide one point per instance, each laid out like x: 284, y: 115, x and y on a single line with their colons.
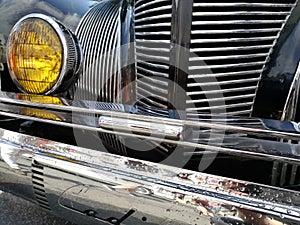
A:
x: 152, y: 111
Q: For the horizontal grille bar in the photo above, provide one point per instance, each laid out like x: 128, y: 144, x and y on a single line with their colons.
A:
x: 254, y: 13
x: 223, y: 91
x: 223, y: 82
x: 217, y: 99
x: 242, y: 4
x: 225, y: 74
x: 256, y: 39
x: 226, y: 65
x: 231, y: 42
x: 235, y: 31
x: 225, y: 22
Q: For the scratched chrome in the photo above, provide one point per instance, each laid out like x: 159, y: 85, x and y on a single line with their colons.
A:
x: 103, y: 187
x: 145, y: 126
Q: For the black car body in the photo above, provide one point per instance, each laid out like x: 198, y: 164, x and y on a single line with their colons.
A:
x: 165, y: 111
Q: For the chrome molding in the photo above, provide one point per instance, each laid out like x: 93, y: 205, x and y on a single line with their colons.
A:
x: 263, y: 141
x: 96, y: 186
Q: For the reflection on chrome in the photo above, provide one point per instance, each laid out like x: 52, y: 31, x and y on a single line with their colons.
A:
x: 10, y: 155
x: 117, y: 189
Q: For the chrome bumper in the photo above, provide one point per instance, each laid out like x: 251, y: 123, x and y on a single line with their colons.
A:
x: 91, y: 187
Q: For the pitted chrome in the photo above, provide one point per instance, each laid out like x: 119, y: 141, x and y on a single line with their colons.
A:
x: 78, y: 180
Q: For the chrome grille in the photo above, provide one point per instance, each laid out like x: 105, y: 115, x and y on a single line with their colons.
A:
x: 233, y: 40
x: 99, y: 34
x: 230, y: 44
x: 153, y: 34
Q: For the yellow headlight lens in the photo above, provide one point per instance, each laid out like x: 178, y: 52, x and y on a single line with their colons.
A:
x: 35, y: 55
x: 43, y: 55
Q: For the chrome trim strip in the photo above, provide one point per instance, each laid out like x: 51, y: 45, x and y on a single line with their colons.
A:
x: 150, y: 94
x: 217, y: 40
x: 150, y: 18
x: 113, y: 175
x: 153, y: 57
x: 153, y: 33
x: 240, y: 13
x: 94, y: 108
x: 231, y: 48
x: 160, y: 66
x: 238, y: 65
x: 246, y: 56
x: 224, y: 22
x: 153, y: 10
x: 72, y: 117
x: 153, y: 25
x: 246, y: 72
x: 280, y: 151
x: 222, y: 82
x: 222, y: 91
x: 137, y: 8
x: 174, y: 132
x: 154, y: 103
x: 155, y: 49
x: 217, y: 99
x: 158, y: 89
x: 241, y: 4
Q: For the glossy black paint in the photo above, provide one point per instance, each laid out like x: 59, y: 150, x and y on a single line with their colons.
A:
x: 279, y: 71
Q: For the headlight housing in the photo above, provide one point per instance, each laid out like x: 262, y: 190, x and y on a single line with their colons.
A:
x: 43, y: 55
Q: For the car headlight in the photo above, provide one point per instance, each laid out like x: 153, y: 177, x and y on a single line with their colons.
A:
x: 43, y: 55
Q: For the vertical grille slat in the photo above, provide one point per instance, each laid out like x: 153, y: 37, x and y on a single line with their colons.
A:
x: 98, y: 33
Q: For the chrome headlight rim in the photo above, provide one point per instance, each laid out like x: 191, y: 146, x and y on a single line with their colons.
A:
x: 71, y: 50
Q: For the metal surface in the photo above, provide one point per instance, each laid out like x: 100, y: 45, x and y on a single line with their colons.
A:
x: 72, y: 53
x: 238, y: 40
x: 93, y: 187
x: 153, y: 40
x: 230, y: 44
x: 248, y: 137
x: 100, y: 35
